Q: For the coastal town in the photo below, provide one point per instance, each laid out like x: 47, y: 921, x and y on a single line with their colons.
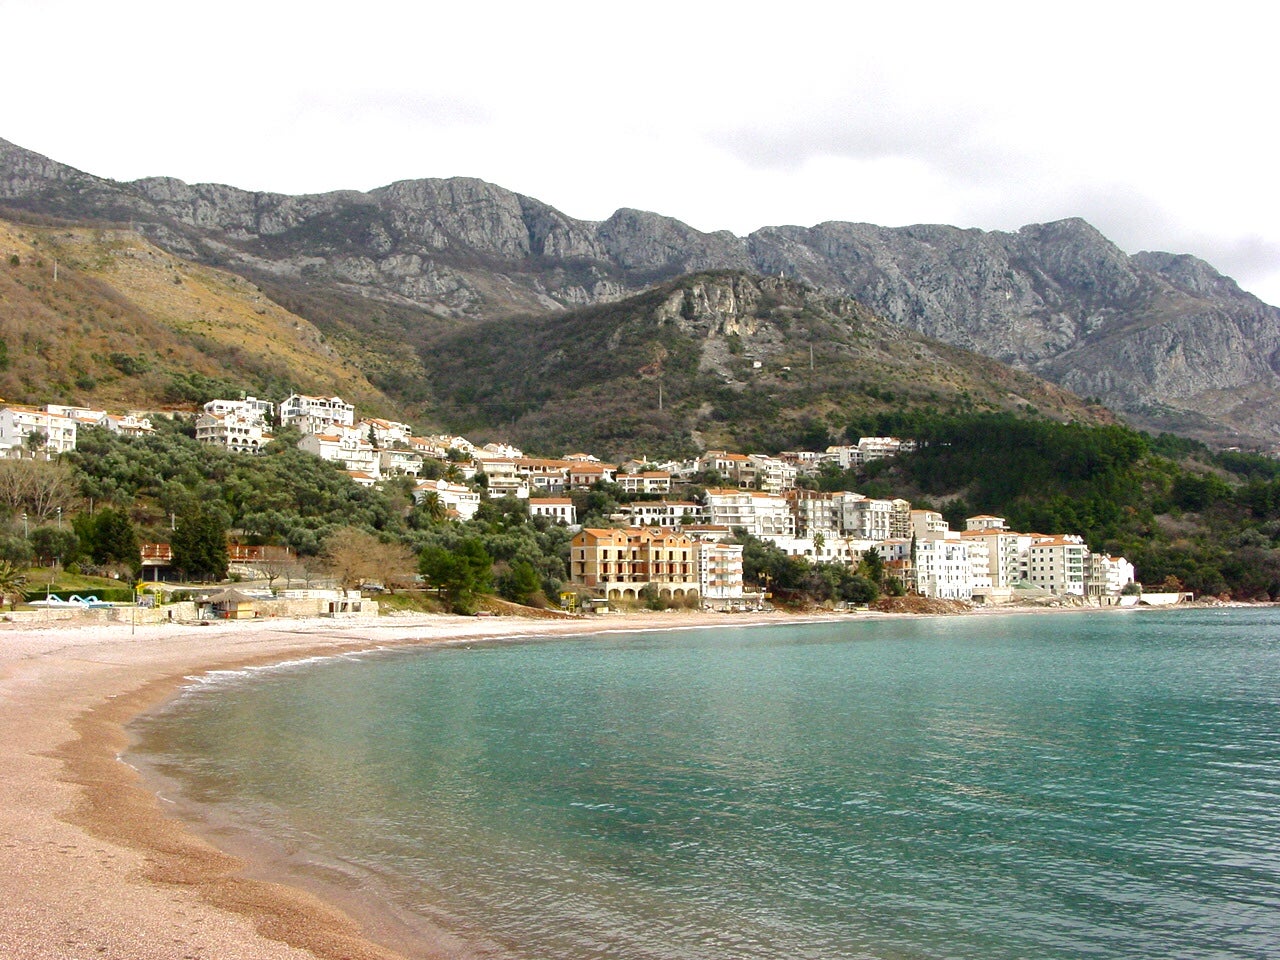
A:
x: 677, y: 532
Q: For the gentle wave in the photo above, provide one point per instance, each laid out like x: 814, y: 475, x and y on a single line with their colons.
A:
x: 987, y: 788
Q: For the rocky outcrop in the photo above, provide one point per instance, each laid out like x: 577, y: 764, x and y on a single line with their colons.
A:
x: 1163, y: 337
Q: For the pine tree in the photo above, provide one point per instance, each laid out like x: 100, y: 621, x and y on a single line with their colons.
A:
x: 199, y: 545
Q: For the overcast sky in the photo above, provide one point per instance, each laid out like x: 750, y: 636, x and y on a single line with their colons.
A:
x: 1152, y: 121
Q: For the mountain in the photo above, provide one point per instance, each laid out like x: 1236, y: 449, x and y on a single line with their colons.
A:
x: 102, y: 317
x: 715, y: 360
x: 1165, y: 339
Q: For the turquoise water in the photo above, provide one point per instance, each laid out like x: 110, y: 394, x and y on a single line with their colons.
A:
x: 1010, y: 787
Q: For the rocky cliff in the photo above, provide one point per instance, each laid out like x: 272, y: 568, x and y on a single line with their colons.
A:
x: 1163, y: 338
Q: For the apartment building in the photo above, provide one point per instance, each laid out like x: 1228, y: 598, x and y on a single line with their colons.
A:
x: 1057, y: 564
x: 760, y: 514
x: 238, y: 432
x: 720, y: 571
x: 645, y: 481
x: 348, y: 449
x: 26, y: 431
x: 311, y: 413
x: 814, y: 512
x: 619, y: 563
x: 661, y: 513
x: 557, y: 509
x: 862, y: 517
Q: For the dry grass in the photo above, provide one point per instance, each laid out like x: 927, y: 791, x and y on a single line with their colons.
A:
x: 122, y: 318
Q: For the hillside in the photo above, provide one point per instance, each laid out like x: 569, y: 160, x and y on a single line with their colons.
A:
x: 714, y: 360
x: 1162, y: 338
x: 100, y: 316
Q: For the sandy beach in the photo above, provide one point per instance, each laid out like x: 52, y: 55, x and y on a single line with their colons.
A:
x: 92, y: 864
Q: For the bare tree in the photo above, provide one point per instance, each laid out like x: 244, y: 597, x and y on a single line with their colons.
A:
x: 38, y: 487
x: 277, y: 562
x: 356, y: 558
x: 347, y: 553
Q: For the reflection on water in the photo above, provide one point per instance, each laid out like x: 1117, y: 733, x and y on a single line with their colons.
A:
x: 970, y: 788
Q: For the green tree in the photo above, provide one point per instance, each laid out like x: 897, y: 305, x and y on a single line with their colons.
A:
x: 519, y: 583
x: 55, y: 543
x: 429, y: 510
x: 461, y: 574
x: 199, y: 543
x: 16, y: 550
x: 871, y: 566
x: 13, y: 584
x: 109, y: 538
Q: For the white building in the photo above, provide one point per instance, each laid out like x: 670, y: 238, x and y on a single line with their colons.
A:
x: 463, y: 501
x: 1058, y: 564
x: 943, y: 569
x: 127, y: 425
x: 385, y: 433
x: 508, y: 486
x: 557, y: 509
x: 1108, y: 576
x: 355, y: 455
x: 985, y: 521
x: 720, y: 571
x: 506, y: 451
x: 661, y: 513
x: 396, y: 460
x: 814, y: 512
x: 646, y: 481
x: 24, y: 430
x: 309, y: 413
x: 863, y: 517
x: 760, y: 514
x: 1004, y: 552
x: 237, y: 432
x: 939, y: 567
x: 248, y: 407
x: 438, y: 446
x: 772, y: 474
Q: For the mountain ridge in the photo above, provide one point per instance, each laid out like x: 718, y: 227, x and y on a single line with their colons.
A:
x: 1164, y: 338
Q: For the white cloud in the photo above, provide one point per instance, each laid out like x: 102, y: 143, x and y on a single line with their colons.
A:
x: 1147, y: 120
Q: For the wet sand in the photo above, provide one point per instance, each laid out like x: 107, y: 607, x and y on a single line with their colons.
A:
x: 92, y: 865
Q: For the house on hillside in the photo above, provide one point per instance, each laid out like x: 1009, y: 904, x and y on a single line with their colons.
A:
x: 661, y: 513
x: 238, y: 432
x: 583, y: 475
x: 248, y: 407
x: 462, y: 501
x: 28, y: 431
x: 354, y: 454
x: 645, y: 481
x: 311, y: 414
x: 384, y: 433
x: 557, y: 509
x: 396, y: 460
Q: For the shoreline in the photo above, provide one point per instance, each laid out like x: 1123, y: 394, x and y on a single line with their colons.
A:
x: 97, y: 864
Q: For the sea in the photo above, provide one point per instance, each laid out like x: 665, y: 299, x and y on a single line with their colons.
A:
x: 969, y: 788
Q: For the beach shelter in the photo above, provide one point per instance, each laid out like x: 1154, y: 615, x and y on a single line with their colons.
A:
x: 231, y: 605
